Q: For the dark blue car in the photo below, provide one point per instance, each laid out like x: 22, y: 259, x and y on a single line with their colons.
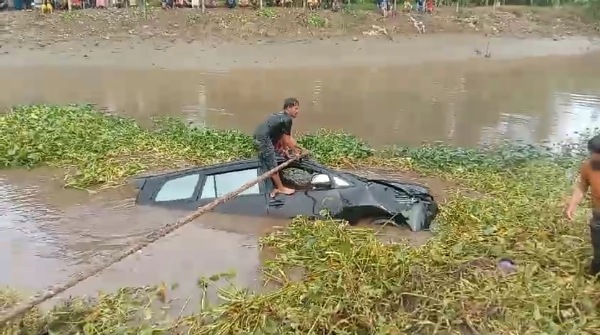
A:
x: 319, y: 191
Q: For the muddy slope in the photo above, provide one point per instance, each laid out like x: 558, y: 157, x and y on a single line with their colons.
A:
x: 219, y: 25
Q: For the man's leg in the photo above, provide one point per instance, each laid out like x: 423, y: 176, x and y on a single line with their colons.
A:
x: 269, y: 162
x: 595, y: 235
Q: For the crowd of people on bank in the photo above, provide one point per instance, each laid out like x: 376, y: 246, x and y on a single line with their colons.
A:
x: 384, y: 6
x: 81, y: 4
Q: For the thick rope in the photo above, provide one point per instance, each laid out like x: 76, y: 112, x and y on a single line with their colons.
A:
x: 20, y: 309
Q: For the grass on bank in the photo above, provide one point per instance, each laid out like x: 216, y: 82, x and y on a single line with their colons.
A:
x: 353, y: 283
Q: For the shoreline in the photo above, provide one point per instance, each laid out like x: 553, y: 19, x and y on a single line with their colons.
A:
x: 333, y: 52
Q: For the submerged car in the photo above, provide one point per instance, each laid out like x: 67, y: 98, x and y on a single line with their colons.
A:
x: 320, y: 191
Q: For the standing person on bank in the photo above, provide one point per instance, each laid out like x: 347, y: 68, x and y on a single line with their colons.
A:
x: 275, y: 132
x: 590, y: 179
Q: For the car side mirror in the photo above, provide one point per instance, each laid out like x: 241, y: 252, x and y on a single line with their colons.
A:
x: 321, y: 181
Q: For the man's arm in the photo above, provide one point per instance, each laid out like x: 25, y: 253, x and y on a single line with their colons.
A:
x: 581, y: 187
x: 288, y: 141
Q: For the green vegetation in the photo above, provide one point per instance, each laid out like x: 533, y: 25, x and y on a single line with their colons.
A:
x: 593, y: 7
x: 352, y: 283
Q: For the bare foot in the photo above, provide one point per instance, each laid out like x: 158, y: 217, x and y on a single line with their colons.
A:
x: 285, y: 190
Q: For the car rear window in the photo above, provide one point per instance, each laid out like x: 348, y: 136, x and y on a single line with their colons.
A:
x: 181, y: 188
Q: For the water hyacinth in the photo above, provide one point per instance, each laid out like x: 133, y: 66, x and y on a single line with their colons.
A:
x: 101, y: 149
x: 504, y: 262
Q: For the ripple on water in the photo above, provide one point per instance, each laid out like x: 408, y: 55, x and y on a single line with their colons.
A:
x: 48, y: 233
x: 573, y: 113
x: 25, y: 249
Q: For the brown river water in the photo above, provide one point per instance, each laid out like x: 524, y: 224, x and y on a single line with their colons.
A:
x: 47, y: 232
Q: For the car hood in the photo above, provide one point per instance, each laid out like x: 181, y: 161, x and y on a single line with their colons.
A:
x: 412, y: 189
x: 392, y: 197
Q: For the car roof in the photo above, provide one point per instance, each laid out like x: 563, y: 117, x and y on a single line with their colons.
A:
x: 233, y: 165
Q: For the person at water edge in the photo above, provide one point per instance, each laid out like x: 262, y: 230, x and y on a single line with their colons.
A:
x: 383, y: 7
x: 275, y: 134
x: 589, y: 179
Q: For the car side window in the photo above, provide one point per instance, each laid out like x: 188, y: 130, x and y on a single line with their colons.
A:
x: 217, y: 185
x: 181, y: 188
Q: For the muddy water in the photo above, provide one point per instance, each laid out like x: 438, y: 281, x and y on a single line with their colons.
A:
x: 462, y: 103
x: 47, y: 232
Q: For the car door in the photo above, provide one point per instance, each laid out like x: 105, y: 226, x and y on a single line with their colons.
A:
x: 218, y: 182
x: 309, y: 202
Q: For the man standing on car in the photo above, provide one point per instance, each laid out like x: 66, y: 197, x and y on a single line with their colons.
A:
x: 275, y: 132
x: 590, y: 179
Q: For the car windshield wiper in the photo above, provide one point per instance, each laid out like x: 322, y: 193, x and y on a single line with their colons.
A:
x: 347, y: 174
x: 392, y: 185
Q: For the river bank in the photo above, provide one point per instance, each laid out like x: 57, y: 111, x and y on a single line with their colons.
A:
x: 238, y: 25
x: 335, y: 52
x: 285, y: 37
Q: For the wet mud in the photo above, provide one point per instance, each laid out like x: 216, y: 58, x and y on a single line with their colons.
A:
x: 298, y: 52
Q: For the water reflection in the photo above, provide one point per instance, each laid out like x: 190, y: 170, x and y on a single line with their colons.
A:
x: 572, y: 113
x: 513, y: 127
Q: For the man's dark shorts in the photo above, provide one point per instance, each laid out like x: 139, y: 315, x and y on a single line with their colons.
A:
x: 266, y: 153
x: 595, y: 235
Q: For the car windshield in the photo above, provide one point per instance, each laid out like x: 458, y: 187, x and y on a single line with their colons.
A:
x: 300, y: 178
x: 297, y: 178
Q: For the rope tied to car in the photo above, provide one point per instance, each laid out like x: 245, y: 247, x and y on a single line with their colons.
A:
x: 22, y: 308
